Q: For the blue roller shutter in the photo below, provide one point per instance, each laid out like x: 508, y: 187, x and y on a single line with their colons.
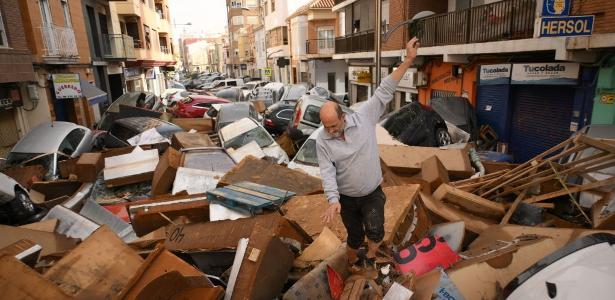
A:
x: 493, y: 108
x: 541, y: 118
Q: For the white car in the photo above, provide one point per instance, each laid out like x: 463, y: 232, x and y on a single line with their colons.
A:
x: 15, y: 204
x: 246, y: 130
x: 307, y: 160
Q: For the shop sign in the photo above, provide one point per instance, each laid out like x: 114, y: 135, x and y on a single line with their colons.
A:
x: 567, y: 26
x: 66, y: 86
x: 495, y: 74
x: 607, y: 98
x: 555, y: 8
x: 545, y: 73
x: 131, y: 72
x: 360, y: 74
x: 150, y: 74
x: 267, y: 72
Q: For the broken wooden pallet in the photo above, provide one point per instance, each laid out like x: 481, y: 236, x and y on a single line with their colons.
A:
x: 249, y: 196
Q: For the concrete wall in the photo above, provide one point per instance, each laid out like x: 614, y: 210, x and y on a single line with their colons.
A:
x: 320, y: 68
x: 298, y: 35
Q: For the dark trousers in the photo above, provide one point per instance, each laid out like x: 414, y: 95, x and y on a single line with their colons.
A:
x: 363, y: 216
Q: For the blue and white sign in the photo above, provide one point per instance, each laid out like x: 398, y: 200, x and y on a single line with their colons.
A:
x: 545, y: 74
x: 555, y: 8
x: 495, y: 74
x: 567, y: 26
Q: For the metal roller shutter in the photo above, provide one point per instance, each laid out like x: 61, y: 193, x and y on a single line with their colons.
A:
x: 492, y: 108
x: 541, y: 118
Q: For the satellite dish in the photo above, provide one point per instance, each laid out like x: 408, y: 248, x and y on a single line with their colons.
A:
x: 423, y: 14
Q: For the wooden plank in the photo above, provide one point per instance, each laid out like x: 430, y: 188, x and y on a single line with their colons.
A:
x: 473, y: 223
x: 598, y: 144
x: 575, y: 189
x: 265, y: 189
x: 470, y: 202
x: 514, y: 206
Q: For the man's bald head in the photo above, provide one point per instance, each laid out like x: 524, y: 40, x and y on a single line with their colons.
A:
x: 332, y: 118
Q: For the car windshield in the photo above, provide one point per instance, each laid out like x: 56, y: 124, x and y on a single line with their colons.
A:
x: 15, y: 158
x: 307, y: 153
x: 295, y: 92
x: 258, y: 134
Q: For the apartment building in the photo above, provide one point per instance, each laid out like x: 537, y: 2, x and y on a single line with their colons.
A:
x: 16, y: 75
x: 243, y: 17
x: 202, y: 54
x: 109, y: 50
x: 56, y: 36
x: 312, y: 31
x: 148, y: 23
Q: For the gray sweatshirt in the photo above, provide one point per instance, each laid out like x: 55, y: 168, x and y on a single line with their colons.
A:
x: 351, y: 167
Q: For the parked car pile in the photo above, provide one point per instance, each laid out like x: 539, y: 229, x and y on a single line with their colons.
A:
x: 212, y: 208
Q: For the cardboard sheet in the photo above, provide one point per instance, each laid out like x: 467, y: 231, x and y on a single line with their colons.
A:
x: 408, y: 159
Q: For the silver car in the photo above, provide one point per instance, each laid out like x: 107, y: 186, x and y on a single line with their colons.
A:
x: 49, y: 143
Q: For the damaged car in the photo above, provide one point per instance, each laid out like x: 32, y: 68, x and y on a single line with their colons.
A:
x: 246, y: 130
x: 16, y: 208
x: 50, y: 143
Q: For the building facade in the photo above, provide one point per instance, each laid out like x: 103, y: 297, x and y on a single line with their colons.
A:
x: 57, y: 38
x: 16, y: 76
x: 243, y: 17
x: 148, y: 23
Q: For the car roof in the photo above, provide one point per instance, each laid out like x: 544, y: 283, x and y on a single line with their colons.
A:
x: 273, y: 85
x: 207, y: 98
x: 46, y: 137
x: 233, y: 110
x: 236, y: 128
x: 142, y: 124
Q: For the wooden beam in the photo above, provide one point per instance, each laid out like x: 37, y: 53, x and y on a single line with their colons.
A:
x: 514, y: 206
x: 575, y: 189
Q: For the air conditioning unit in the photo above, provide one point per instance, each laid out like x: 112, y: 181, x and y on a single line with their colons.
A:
x: 414, y: 78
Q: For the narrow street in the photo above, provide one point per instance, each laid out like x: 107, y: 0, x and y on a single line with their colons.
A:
x: 307, y: 149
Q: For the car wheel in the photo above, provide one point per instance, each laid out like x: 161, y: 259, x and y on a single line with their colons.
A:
x: 22, y: 205
x: 443, y: 138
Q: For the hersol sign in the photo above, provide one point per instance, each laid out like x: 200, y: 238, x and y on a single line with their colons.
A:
x: 545, y: 74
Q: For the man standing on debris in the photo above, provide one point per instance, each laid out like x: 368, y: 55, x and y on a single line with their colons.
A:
x: 350, y: 164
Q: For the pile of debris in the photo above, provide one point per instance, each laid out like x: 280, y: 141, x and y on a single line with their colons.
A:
x: 185, y: 221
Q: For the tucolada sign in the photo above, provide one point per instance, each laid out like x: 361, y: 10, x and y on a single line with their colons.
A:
x: 545, y: 73
x: 495, y: 74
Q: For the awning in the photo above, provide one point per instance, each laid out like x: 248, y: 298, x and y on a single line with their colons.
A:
x: 92, y: 93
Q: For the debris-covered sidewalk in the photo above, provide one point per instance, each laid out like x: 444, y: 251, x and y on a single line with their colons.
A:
x: 185, y: 219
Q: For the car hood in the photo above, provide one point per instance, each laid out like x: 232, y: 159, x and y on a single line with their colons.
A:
x: 274, y: 150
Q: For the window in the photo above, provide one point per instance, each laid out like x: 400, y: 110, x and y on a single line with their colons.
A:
x: 237, y: 20
x: 3, y: 39
x: 147, y: 37
x: 331, y: 82
x: 312, y: 114
x: 202, y: 105
x: 66, y: 11
x: 272, y: 5
x: 252, y: 20
x: 231, y: 83
x: 285, y: 114
x: 72, y: 141
x: 325, y: 38
x: 385, y: 15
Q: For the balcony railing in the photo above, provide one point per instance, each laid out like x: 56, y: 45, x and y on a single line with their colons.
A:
x: 355, y: 42
x: 59, y: 42
x: 504, y: 20
x: 119, y: 46
x: 320, y: 46
x: 165, y: 49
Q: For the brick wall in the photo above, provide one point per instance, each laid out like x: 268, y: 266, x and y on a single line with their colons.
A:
x: 604, y: 10
x: 401, y: 10
x: 314, y: 24
x: 16, y: 61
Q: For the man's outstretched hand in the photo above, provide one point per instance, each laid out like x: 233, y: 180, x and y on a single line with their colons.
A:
x: 333, y: 210
x: 411, y: 49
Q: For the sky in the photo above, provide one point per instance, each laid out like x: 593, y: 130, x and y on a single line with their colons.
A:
x: 206, y: 16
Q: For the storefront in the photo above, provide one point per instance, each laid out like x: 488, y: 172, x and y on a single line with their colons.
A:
x: 132, y: 76
x: 360, y: 78
x: 407, y: 88
x: 533, y: 107
x: 448, y: 80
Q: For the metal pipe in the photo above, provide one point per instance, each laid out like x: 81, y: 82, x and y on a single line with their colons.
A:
x: 377, y: 40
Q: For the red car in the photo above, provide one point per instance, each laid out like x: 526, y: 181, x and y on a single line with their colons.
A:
x: 195, y: 106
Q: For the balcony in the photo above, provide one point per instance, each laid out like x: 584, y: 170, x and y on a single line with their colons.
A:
x: 119, y: 46
x: 59, y: 42
x: 505, y: 20
x: 320, y: 46
x: 165, y: 49
x: 355, y: 42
